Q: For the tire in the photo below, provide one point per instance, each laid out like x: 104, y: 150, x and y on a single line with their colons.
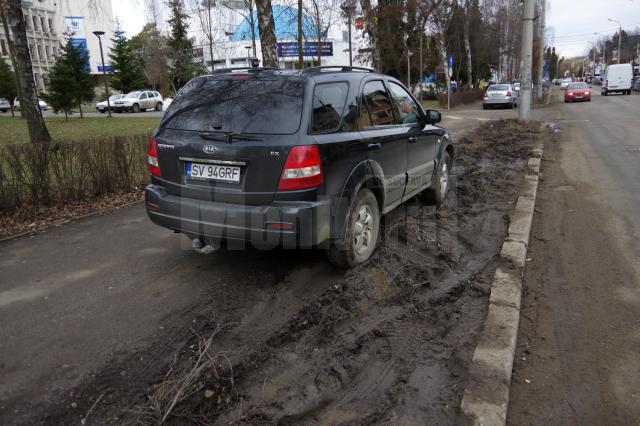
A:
x: 4, y: 110
x: 102, y: 111
x: 136, y: 108
x: 358, y: 248
x: 439, y: 189
x: 159, y: 106
x: 484, y: 107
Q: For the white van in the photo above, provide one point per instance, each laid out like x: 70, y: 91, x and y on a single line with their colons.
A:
x: 617, y: 78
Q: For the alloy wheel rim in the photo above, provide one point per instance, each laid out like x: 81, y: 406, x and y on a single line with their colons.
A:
x: 363, y: 230
x: 444, y: 179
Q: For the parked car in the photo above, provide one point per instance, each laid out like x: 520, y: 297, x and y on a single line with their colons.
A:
x: 636, y: 85
x: 139, y: 100
x: 294, y: 158
x: 577, y: 92
x: 102, y: 106
x: 566, y: 82
x: 500, y: 95
x: 617, y: 78
x: 42, y: 104
x: 4, y: 105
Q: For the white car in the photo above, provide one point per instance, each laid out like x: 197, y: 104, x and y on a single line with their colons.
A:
x: 4, y: 105
x: 139, y: 100
x: 566, y: 82
x: 43, y: 105
x: 102, y: 106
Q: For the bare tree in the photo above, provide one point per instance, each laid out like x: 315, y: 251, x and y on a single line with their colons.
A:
x: 467, y: 44
x: 324, y: 13
x: 38, y: 132
x: 204, y: 10
x: 267, y: 29
x: 12, y: 53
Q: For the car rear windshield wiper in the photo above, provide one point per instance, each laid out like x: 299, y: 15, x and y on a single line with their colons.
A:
x: 227, y: 136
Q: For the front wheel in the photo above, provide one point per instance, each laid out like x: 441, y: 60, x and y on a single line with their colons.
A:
x: 136, y: 108
x: 361, y: 235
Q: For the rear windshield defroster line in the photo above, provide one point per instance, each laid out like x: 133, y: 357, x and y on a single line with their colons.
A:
x: 262, y: 104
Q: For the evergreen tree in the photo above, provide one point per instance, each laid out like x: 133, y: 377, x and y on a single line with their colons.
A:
x: 182, y: 66
x: 8, y: 88
x: 126, y: 73
x: 78, y: 61
x: 60, y: 87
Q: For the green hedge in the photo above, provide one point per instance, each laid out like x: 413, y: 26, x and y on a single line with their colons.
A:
x: 46, y: 174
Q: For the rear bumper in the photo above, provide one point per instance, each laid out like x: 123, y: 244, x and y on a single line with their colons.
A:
x: 311, y: 223
x: 499, y: 101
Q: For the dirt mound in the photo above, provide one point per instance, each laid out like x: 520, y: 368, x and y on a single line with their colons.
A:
x: 386, y: 342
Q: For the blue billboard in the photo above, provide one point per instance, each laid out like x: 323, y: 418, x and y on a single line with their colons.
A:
x: 75, y: 28
x: 309, y: 48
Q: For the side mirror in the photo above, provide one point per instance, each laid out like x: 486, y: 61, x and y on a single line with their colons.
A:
x: 433, y: 116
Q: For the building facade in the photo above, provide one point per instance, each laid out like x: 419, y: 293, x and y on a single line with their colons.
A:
x: 231, y: 44
x: 49, y: 22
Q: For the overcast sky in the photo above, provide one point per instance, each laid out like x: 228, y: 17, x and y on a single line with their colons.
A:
x: 571, y: 23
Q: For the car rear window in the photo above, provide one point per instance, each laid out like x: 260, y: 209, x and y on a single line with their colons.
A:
x: 329, y: 101
x: 239, y: 103
x: 498, y: 87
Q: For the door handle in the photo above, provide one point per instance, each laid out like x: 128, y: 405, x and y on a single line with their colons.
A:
x: 413, y: 140
x: 376, y: 145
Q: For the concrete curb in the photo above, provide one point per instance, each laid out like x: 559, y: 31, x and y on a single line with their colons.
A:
x: 486, y: 397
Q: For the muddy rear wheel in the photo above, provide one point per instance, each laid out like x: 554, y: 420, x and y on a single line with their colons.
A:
x: 361, y: 235
x: 441, y: 182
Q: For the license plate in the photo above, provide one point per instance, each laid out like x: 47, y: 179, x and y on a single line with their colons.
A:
x: 578, y: 97
x: 218, y: 172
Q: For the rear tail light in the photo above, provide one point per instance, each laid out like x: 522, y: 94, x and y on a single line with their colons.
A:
x: 509, y: 94
x: 303, y: 168
x: 152, y: 157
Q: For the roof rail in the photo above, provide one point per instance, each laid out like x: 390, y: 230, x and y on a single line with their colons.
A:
x: 226, y: 70
x: 341, y: 68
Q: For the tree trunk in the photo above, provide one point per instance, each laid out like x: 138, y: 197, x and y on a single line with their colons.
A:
x: 318, y: 32
x: 80, y: 108
x: 267, y: 30
x: 12, y: 56
x: 442, y: 50
x: 29, y: 104
x: 300, y: 50
x: 467, y: 46
x: 371, y: 29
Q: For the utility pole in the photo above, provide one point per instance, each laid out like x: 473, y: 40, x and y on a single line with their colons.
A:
x: 524, y: 105
x: 420, y: 81
x: 541, y: 51
x: 409, y: 53
x: 619, y: 37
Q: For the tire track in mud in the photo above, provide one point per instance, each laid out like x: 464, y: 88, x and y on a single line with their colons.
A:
x: 386, y: 342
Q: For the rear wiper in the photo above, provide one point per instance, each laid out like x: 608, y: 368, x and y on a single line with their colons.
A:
x: 227, y: 136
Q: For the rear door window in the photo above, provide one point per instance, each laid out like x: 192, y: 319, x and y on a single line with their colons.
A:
x: 376, y: 106
x: 329, y: 100
x: 267, y: 104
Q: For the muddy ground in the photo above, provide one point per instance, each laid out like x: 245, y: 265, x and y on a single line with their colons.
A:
x: 289, y: 339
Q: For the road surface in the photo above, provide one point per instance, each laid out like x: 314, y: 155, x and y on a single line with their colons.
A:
x: 95, y: 291
x: 578, y: 356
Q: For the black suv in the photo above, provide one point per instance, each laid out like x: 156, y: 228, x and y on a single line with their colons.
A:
x: 294, y: 158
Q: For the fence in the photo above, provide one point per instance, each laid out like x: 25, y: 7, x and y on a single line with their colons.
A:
x: 45, y: 174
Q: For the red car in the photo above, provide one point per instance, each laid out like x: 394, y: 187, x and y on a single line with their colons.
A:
x: 577, y: 92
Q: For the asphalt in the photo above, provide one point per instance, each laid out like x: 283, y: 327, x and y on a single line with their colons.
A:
x: 577, y: 360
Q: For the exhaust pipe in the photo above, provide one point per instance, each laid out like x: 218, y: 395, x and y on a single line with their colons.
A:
x: 205, y: 245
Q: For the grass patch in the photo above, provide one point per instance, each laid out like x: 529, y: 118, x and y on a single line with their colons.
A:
x: 14, y: 130
x: 430, y: 104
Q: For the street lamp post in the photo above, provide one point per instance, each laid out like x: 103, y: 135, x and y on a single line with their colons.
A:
x: 104, y: 71
x: 619, y: 37
x: 409, y: 54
